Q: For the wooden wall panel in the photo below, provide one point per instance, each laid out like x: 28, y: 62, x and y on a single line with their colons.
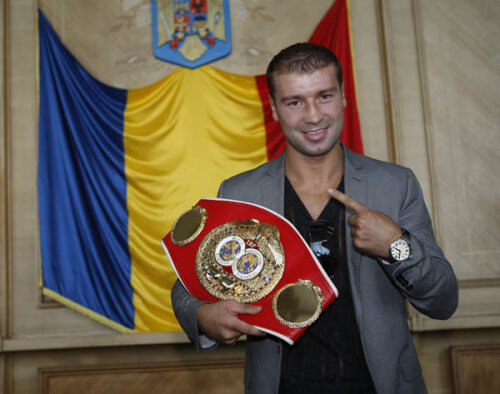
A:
x: 441, y: 75
x: 216, y: 377
x: 368, y: 61
x: 434, y: 351
x: 462, y: 68
x: 148, y: 362
x: 476, y: 369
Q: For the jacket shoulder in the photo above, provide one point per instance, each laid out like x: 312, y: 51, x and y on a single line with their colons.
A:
x: 251, y: 175
x: 238, y: 186
x: 378, y: 169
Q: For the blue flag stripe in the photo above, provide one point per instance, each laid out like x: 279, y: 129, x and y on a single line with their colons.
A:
x: 82, y: 185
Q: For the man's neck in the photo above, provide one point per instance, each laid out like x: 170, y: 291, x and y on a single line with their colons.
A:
x: 311, y: 177
x: 302, y: 169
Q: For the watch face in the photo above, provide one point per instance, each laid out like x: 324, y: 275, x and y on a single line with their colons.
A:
x: 400, y: 250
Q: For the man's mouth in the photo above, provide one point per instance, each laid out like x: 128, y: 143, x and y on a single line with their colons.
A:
x: 314, y: 132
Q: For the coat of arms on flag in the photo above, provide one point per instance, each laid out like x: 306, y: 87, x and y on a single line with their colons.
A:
x: 191, y: 33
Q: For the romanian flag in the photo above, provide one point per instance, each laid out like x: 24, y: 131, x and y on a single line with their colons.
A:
x: 117, y: 167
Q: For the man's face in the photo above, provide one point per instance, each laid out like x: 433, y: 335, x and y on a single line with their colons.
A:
x: 310, y: 109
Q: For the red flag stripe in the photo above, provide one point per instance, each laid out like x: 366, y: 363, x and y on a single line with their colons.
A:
x: 333, y: 33
x: 275, y: 141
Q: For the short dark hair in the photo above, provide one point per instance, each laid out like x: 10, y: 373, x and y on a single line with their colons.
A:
x: 302, y: 58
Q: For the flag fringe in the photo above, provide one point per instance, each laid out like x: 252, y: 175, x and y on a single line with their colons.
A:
x: 86, y: 312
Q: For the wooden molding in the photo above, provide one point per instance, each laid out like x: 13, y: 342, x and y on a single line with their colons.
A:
x: 5, y: 217
x: 475, y: 283
x: 478, y: 308
x: 44, y: 342
x: 390, y: 99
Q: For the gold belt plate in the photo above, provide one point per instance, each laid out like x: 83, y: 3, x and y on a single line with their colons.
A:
x: 241, y: 260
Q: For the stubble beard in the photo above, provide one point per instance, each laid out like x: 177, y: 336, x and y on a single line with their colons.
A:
x: 309, y: 149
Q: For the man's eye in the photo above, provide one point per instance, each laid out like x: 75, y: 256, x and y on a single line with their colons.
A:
x: 326, y: 97
x: 294, y: 103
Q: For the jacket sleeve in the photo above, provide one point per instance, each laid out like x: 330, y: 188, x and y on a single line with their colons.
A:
x: 426, y: 279
x: 186, y: 308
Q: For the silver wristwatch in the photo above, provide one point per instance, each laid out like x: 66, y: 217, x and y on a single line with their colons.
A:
x: 400, y: 249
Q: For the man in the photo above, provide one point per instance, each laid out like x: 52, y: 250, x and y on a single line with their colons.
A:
x: 379, y: 237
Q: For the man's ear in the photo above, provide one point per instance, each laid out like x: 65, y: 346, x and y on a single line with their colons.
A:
x: 344, y: 101
x: 273, y: 108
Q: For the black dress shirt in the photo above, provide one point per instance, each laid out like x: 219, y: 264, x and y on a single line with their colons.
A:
x: 329, y: 357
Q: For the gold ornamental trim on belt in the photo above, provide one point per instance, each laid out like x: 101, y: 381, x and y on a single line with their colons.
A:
x: 298, y: 304
x: 240, y: 260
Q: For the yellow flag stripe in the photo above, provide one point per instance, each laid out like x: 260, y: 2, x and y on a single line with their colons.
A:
x: 182, y: 136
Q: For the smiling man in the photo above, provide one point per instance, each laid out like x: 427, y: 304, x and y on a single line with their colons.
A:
x: 376, y: 242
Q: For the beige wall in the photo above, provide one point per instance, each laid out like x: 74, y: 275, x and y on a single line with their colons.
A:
x: 428, y: 90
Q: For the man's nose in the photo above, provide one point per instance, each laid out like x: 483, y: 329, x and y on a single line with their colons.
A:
x: 312, y: 113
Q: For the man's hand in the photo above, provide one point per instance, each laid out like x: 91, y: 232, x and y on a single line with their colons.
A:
x: 372, y: 231
x: 220, y: 321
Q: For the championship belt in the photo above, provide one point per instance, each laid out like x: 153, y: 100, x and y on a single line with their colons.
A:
x: 230, y: 250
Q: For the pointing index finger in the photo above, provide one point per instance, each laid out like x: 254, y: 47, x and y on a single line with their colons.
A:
x: 348, y: 201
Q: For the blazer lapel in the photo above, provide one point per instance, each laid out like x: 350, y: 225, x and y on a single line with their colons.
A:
x: 354, y: 179
x: 273, y: 186
x: 355, y: 184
